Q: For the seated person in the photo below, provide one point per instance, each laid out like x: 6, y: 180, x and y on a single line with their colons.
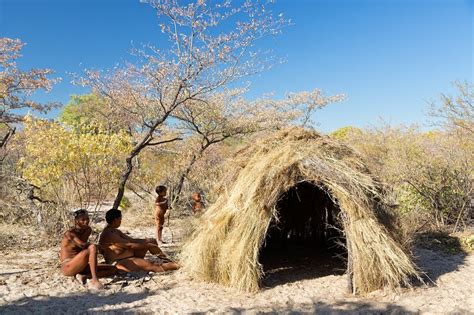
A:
x: 78, y: 257
x: 128, y: 253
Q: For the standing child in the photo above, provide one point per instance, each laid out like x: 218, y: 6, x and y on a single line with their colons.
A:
x: 161, y: 205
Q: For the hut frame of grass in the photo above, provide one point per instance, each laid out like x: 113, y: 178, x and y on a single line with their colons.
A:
x: 225, y: 245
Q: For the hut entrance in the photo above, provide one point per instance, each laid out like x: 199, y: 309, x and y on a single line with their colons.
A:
x: 303, y: 242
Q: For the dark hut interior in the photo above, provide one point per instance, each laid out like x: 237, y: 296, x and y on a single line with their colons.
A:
x: 304, y: 241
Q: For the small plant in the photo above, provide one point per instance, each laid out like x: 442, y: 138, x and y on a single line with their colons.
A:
x: 125, y: 203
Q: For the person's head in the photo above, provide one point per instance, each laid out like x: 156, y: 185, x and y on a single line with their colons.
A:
x: 81, y: 218
x: 161, y: 190
x: 113, y: 217
x: 196, y: 196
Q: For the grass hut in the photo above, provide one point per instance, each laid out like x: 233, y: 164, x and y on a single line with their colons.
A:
x: 296, y: 184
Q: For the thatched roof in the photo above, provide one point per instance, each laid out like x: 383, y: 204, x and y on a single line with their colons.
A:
x: 225, y: 245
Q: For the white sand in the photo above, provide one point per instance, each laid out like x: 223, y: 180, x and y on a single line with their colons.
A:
x: 28, y: 287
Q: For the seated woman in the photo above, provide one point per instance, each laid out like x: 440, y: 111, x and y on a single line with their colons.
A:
x: 128, y: 253
x: 79, y: 257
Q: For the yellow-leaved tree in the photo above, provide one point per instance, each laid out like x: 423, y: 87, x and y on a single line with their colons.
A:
x: 72, y: 168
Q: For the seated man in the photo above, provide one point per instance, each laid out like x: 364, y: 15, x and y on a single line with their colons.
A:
x: 79, y: 257
x: 128, y: 253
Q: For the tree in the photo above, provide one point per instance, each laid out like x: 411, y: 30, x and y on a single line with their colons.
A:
x: 87, y: 109
x: 17, y: 86
x: 457, y: 111
x: 210, y: 46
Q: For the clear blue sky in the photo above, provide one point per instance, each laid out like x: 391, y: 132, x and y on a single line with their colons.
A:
x: 389, y: 57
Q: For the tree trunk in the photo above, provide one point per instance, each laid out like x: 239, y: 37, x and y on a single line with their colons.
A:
x: 123, y: 181
x: 129, y: 165
x: 7, y: 137
x: 179, y: 186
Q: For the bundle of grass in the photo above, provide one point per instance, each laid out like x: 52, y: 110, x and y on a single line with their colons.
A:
x: 225, y: 246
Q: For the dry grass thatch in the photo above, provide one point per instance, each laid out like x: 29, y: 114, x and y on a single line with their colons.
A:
x: 225, y: 246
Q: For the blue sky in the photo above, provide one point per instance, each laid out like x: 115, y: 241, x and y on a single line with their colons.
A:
x: 390, y: 57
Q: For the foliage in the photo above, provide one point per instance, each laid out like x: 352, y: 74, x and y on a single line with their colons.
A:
x: 80, y: 166
x: 344, y: 132
x: 87, y: 110
x: 428, y: 173
x: 125, y: 203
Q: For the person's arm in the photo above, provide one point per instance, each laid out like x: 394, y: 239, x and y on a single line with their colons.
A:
x: 122, y: 241
x: 131, y: 245
x: 129, y: 238
x: 163, y: 202
x: 76, y: 240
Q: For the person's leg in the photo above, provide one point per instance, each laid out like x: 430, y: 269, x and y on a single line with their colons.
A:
x: 141, y: 249
x: 137, y: 264
x: 157, y: 230
x: 155, y: 250
x: 140, y: 264
x: 170, y: 266
x: 77, y: 264
x: 104, y: 270
x: 152, y: 247
x: 95, y: 283
x: 140, y: 252
x: 160, y: 228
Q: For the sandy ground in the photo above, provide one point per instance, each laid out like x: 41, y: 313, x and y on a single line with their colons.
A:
x: 30, y: 282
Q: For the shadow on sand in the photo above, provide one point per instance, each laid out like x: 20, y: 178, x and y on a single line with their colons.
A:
x: 75, y: 303
x: 299, y: 264
x: 437, y: 253
x: 342, y: 307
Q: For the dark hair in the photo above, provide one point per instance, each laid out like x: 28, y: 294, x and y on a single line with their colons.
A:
x: 77, y: 213
x: 112, y: 214
x: 160, y: 188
